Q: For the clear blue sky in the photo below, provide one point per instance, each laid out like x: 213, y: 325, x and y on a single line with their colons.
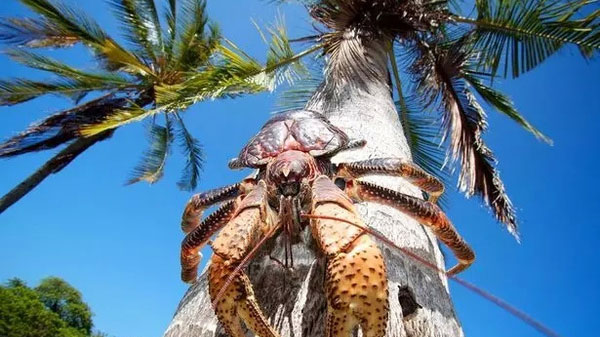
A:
x: 120, y: 245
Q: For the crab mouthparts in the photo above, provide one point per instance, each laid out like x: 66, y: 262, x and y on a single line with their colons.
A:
x: 289, y: 189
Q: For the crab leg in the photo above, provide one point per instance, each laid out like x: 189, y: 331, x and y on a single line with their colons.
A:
x: 356, y: 279
x: 236, y: 302
x: 355, y: 144
x: 198, y: 203
x: 395, y: 167
x: 197, y: 238
x: 425, y: 212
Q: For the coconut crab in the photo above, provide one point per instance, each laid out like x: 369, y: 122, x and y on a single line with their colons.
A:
x: 296, y: 186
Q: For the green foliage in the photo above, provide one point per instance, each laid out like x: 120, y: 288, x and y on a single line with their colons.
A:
x: 194, y: 157
x: 52, y: 309
x: 64, y: 300
x: 152, y: 165
x: 166, y: 70
x: 522, y: 34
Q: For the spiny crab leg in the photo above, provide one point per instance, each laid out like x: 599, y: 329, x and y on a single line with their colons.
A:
x: 352, y: 145
x: 396, y: 167
x: 229, y: 287
x: 356, y: 280
x: 425, y: 212
x: 198, y: 203
x: 197, y: 238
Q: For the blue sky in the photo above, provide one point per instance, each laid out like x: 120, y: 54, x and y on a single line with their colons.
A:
x: 120, y: 245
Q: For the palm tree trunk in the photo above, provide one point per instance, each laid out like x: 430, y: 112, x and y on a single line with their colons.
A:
x: 54, y: 165
x: 294, y: 300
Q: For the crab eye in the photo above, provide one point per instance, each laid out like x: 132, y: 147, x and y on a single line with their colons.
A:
x: 341, y: 183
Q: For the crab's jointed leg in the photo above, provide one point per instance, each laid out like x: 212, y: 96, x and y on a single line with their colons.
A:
x: 356, y: 279
x: 396, y: 167
x: 197, y: 238
x: 352, y: 145
x: 425, y: 212
x: 198, y: 203
x: 251, y: 222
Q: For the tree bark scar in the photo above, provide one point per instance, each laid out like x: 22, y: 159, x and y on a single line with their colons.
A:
x: 407, y: 300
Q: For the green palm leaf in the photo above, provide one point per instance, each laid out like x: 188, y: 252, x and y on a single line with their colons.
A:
x: 18, y: 90
x: 198, y: 39
x: 68, y: 24
x: 142, y: 25
x: 522, y: 34
x: 152, y: 164
x: 194, y: 157
x: 34, y: 33
x: 118, y: 118
x: 234, y: 74
x: 171, y: 19
x: 56, y: 67
x: 504, y: 105
x: 68, y: 20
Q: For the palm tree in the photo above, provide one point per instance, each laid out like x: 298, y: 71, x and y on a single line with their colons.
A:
x: 386, y: 63
x: 165, y: 70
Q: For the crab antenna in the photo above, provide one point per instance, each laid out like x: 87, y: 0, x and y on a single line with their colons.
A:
x: 497, y: 301
x: 242, y: 264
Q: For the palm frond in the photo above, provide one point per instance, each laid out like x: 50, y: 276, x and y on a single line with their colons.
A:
x: 171, y: 19
x: 131, y: 113
x: 281, y: 49
x: 194, y: 157
x: 522, y: 34
x: 140, y: 20
x: 151, y: 166
x: 37, y: 61
x: 466, y: 121
x: 34, y: 33
x: 67, y: 26
x: 61, y: 127
x: 117, y: 58
x: 198, y: 39
x: 69, y: 20
x: 504, y: 105
x: 231, y: 77
x: 234, y: 73
x: 18, y: 90
x: 438, y: 76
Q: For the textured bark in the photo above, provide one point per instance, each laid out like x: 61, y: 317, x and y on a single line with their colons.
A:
x: 294, y: 300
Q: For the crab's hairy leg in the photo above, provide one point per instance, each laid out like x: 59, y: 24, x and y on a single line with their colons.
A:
x: 197, y: 238
x: 352, y: 145
x: 425, y: 212
x: 356, y: 279
x: 395, y: 167
x: 229, y: 287
x: 198, y: 203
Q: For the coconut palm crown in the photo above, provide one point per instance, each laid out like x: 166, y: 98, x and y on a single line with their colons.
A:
x: 450, y: 61
x: 160, y: 72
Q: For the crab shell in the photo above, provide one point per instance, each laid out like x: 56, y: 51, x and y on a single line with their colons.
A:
x: 301, y: 130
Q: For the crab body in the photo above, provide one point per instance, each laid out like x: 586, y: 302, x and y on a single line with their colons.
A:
x: 298, y: 186
x: 299, y: 130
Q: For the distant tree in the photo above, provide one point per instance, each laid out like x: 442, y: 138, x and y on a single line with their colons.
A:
x: 53, y: 309
x: 61, y: 298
